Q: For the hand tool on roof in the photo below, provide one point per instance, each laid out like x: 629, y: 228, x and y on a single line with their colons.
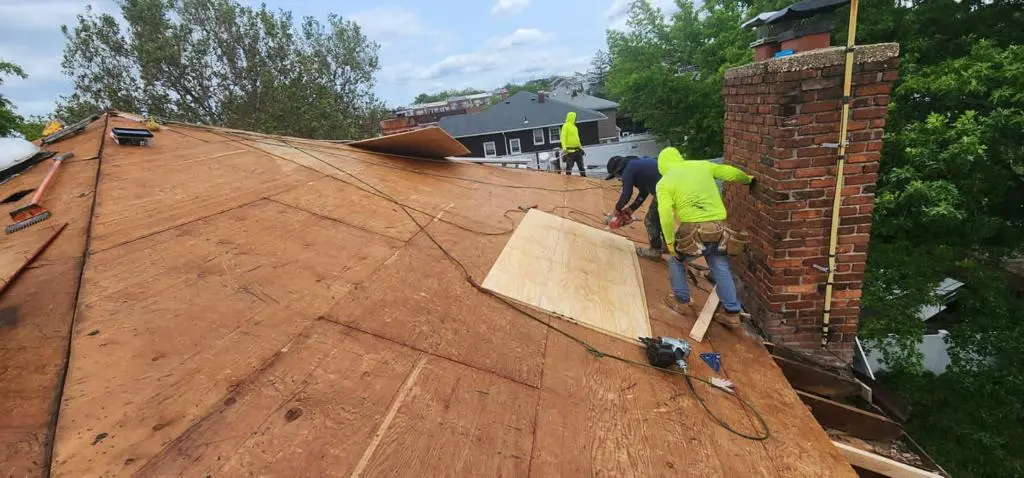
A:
x: 33, y: 213
x: 713, y: 359
x: 664, y: 352
x: 619, y: 219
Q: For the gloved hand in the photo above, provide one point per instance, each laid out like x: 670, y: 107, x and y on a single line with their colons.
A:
x: 753, y: 184
x: 627, y: 211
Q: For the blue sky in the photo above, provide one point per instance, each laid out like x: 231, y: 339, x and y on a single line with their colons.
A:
x: 425, y: 46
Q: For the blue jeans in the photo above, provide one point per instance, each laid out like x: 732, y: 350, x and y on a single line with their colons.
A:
x: 719, y: 265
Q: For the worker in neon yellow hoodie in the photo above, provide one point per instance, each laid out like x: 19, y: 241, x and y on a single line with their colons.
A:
x: 688, y: 191
x: 570, y: 138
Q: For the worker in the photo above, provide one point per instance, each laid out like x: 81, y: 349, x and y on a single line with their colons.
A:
x: 573, y: 150
x: 640, y: 173
x: 689, y: 192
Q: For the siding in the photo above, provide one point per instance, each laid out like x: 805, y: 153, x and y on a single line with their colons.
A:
x: 588, y: 136
x: 606, y: 127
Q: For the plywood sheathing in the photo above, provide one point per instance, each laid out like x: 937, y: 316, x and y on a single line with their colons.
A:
x: 432, y: 142
x: 272, y: 332
x: 38, y: 306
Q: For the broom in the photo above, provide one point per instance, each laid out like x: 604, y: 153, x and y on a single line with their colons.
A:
x: 33, y: 213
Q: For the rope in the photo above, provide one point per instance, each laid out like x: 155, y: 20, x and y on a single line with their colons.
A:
x: 589, y: 348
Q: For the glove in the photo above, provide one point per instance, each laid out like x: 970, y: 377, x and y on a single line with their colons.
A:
x: 753, y: 183
x: 627, y: 211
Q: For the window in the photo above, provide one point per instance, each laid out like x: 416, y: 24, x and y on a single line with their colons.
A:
x: 514, y: 147
x: 489, y: 150
x: 553, y: 134
x: 538, y: 137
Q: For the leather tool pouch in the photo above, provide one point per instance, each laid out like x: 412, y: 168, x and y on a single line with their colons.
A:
x: 688, y: 241
x: 734, y: 242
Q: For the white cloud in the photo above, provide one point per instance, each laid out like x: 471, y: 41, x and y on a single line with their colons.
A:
x: 617, y: 13
x: 520, y: 37
x: 509, y: 7
x: 380, y: 23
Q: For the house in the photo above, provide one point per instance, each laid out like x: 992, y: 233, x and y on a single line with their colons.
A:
x: 422, y: 115
x: 607, y: 130
x: 228, y: 303
x: 524, y: 123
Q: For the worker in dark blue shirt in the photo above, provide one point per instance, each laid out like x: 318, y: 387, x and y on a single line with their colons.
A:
x: 640, y: 173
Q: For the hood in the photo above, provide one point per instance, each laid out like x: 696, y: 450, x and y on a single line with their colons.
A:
x: 669, y: 159
x: 570, y: 117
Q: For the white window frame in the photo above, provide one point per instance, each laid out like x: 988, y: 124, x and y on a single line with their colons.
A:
x: 541, y: 131
x: 517, y: 149
x: 555, y: 134
x: 494, y: 147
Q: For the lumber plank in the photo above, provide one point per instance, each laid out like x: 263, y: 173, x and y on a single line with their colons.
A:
x: 432, y: 142
x: 573, y: 271
x: 420, y: 299
x: 310, y: 412
x: 815, y: 380
x: 168, y: 323
x: 700, y: 327
x: 852, y: 420
x: 881, y: 464
x: 457, y: 421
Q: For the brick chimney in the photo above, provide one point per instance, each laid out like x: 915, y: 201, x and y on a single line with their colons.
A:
x: 542, y: 96
x: 780, y: 115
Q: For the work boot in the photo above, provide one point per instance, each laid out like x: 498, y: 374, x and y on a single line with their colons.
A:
x: 648, y: 253
x: 728, y: 319
x: 682, y: 308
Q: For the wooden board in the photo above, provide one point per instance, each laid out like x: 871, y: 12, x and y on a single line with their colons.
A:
x: 881, y: 464
x: 816, y: 380
x: 700, y: 327
x: 421, y: 300
x: 432, y: 142
x: 170, y: 323
x: 13, y: 260
x: 310, y: 412
x: 851, y: 420
x: 589, y: 276
x: 456, y: 421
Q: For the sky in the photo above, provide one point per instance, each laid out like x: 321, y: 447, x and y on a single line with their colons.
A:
x: 424, y: 46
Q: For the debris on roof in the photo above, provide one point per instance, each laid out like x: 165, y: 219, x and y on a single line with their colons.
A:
x: 225, y: 303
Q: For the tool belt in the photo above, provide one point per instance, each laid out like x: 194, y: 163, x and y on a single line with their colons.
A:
x: 691, y: 238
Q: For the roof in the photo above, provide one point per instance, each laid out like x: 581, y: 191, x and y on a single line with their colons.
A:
x: 583, y: 100
x: 509, y: 115
x: 226, y: 303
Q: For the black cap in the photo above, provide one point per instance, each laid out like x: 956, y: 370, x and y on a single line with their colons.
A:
x: 615, y: 166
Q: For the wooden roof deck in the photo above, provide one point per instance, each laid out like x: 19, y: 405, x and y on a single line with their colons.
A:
x: 247, y: 306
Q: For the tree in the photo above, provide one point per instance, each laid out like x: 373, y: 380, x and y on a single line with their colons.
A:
x: 444, y: 95
x: 9, y: 120
x: 597, y: 75
x: 222, y: 63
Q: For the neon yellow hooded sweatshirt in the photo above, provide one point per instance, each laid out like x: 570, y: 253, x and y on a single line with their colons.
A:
x: 570, y: 136
x: 688, y: 190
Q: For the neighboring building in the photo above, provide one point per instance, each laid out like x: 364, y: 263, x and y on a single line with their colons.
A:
x: 524, y: 123
x: 607, y: 130
x: 418, y: 116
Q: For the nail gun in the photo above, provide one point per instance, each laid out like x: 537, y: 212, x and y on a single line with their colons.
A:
x: 666, y: 351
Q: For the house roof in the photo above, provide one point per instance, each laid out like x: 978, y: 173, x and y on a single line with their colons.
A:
x: 228, y: 303
x: 582, y: 100
x: 508, y: 115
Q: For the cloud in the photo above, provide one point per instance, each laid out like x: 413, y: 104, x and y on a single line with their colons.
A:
x: 520, y: 37
x: 617, y: 14
x: 380, y: 23
x: 505, y: 8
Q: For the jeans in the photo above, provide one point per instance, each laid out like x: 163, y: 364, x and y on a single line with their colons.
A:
x: 653, y: 224
x: 577, y: 158
x: 719, y: 265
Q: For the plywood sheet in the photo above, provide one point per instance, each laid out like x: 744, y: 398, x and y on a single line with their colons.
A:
x: 420, y: 299
x: 432, y: 142
x: 311, y: 412
x: 454, y: 422
x: 168, y: 325
x: 575, y: 271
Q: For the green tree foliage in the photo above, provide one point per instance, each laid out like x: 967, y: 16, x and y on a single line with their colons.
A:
x: 444, y: 95
x: 9, y: 120
x: 219, y: 62
x: 668, y: 73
